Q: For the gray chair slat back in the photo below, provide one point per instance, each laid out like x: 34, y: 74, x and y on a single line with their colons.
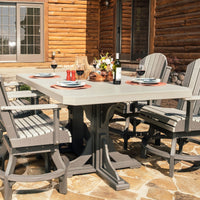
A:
x: 192, y: 80
x: 7, y: 117
x: 154, y: 65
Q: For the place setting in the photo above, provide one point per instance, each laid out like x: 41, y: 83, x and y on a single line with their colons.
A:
x: 71, y: 82
x: 45, y: 74
x: 139, y: 80
x: 73, y: 85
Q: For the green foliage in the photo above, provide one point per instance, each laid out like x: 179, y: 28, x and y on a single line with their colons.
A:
x: 24, y: 87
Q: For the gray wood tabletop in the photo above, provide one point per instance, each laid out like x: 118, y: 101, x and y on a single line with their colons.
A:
x: 103, y: 92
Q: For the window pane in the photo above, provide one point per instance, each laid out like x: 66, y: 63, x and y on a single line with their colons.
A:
x: 12, y: 11
x: 37, y: 50
x: 37, y: 40
x: 22, y: 12
x: 4, y: 30
x: 30, y: 39
x: 29, y: 11
x: 30, y: 20
x: 5, y: 20
x: 23, y: 49
x: 30, y: 49
x: 12, y: 50
x: 5, y: 50
x: 12, y: 19
x: 5, y: 10
x: 36, y: 11
x: 37, y: 20
x: 37, y: 30
x: 12, y: 30
x: 5, y: 40
x: 30, y: 30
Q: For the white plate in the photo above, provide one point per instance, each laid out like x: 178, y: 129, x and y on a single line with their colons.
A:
x: 146, y: 80
x: 70, y: 84
x: 44, y: 75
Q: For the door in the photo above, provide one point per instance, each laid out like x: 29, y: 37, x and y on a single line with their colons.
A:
x: 21, y: 32
x: 132, y: 29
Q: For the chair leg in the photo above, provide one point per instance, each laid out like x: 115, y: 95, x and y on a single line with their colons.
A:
x: 172, y: 154
x: 9, y: 170
x: 47, y: 163
x: 181, y: 142
x: 145, y: 140
x: 3, y: 154
x: 57, y: 159
x: 125, y: 133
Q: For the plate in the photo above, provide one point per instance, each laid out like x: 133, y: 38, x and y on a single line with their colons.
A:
x: 70, y: 84
x: 146, y: 80
x: 44, y: 75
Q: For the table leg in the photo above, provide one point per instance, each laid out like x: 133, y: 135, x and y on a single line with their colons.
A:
x: 77, y: 128
x: 99, y: 150
x: 100, y: 134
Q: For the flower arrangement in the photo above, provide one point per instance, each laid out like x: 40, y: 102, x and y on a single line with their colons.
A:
x: 105, y: 63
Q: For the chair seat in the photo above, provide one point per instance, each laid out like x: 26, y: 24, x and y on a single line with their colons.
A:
x: 29, y: 128
x: 170, y: 119
x: 20, y: 113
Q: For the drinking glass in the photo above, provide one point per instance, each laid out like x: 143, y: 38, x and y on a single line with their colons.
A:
x: 54, y: 65
x: 141, y: 70
x: 94, y: 63
x: 80, y: 70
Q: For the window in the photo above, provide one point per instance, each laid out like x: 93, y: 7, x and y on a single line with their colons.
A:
x: 21, y: 32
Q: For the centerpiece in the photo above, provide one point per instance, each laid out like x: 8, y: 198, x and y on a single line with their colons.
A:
x: 104, y: 67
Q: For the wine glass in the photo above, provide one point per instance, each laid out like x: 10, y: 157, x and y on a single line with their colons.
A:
x: 141, y: 70
x: 94, y: 63
x: 80, y: 70
x: 54, y: 65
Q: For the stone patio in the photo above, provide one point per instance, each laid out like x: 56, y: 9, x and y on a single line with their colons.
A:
x: 151, y: 181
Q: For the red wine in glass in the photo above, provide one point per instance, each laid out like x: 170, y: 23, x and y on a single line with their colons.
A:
x: 54, y: 66
x: 140, y: 72
x: 79, y: 72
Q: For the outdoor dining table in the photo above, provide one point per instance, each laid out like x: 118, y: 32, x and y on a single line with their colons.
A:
x: 104, y: 160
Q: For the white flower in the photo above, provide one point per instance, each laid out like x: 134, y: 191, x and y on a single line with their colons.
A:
x: 98, y: 65
x: 107, y: 61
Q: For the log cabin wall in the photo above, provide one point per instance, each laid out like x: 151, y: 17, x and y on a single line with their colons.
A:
x: 73, y: 29
x: 126, y: 29
x: 107, y: 27
x: 177, y: 31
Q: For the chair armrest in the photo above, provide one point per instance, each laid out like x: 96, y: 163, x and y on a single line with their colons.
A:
x: 24, y: 94
x: 33, y: 107
x: 13, y: 83
x: 189, y: 111
x: 166, y: 73
x: 193, y: 98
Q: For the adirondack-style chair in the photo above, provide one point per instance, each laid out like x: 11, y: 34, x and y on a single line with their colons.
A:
x: 156, y: 67
x: 177, y: 124
x: 34, y: 134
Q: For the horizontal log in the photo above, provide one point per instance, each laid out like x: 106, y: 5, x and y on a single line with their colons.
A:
x: 179, y: 17
x: 74, y: 2
x: 173, y: 11
x: 170, y: 43
x: 178, y: 36
x: 174, y: 30
x: 185, y: 49
x: 164, y: 4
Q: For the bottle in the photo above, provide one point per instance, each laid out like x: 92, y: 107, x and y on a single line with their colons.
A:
x: 117, y: 71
